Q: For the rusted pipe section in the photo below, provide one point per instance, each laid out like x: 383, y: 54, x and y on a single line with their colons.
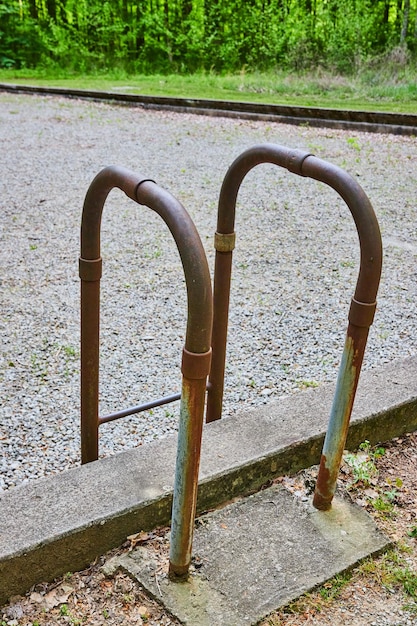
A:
x: 363, y: 303
x: 196, y: 353
x: 197, y: 277
x: 195, y: 368
x: 90, y: 266
x: 196, y: 271
x: 361, y: 315
x: 224, y: 243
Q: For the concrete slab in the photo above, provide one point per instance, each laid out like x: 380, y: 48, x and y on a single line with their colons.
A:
x: 257, y: 555
x: 62, y: 523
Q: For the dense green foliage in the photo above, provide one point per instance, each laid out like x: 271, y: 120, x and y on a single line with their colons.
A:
x: 190, y: 35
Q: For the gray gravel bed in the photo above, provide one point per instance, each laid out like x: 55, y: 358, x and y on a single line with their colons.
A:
x: 295, y: 267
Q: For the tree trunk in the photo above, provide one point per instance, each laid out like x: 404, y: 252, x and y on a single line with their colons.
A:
x: 51, y: 9
x: 398, y: 20
x: 386, y: 11
x: 406, y: 16
x: 33, y: 9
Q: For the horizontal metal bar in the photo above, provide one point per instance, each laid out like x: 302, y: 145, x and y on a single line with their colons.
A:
x: 142, y: 407
x: 139, y: 408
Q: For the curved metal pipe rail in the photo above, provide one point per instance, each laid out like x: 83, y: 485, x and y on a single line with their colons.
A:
x: 362, y: 307
x: 196, y: 353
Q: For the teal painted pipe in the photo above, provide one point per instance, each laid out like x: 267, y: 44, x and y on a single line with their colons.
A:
x: 335, y: 440
x: 337, y: 430
x: 186, y: 477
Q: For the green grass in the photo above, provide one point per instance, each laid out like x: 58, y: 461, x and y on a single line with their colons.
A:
x: 313, y: 602
x: 373, y: 90
x: 391, y: 570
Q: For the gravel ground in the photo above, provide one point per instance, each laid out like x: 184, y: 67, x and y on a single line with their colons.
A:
x: 295, y: 267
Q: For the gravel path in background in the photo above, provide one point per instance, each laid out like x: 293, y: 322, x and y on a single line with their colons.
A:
x: 295, y: 267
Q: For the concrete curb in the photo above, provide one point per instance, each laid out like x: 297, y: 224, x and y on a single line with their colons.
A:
x: 364, y: 121
x: 61, y: 523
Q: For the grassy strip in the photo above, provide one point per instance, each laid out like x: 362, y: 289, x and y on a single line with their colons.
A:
x: 371, y: 91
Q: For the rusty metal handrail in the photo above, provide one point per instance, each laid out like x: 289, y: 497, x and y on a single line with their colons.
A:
x: 362, y: 306
x: 196, y: 353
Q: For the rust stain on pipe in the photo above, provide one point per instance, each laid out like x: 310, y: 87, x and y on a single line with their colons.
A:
x: 323, y: 480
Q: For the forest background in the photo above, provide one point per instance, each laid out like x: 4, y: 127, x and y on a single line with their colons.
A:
x: 187, y: 36
x: 356, y: 53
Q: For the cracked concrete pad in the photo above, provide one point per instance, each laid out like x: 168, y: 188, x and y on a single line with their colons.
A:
x: 256, y: 555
